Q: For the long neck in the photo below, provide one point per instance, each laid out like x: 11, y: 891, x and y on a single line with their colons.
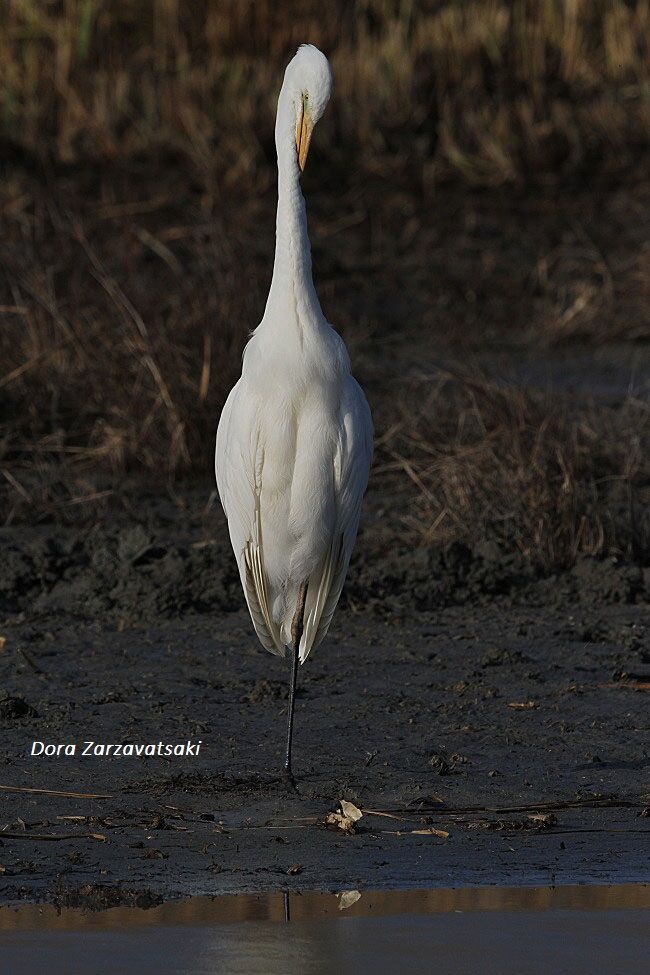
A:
x: 292, y: 286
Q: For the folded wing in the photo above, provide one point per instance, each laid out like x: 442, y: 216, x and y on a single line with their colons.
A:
x: 238, y: 465
x: 239, y: 469
x: 352, y: 460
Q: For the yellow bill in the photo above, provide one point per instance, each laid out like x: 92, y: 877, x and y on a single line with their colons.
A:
x: 304, y: 130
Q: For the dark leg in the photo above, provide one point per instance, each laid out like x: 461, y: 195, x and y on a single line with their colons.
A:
x: 292, y: 698
x: 296, y: 634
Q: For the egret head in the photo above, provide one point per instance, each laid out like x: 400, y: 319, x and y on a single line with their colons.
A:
x: 309, y: 80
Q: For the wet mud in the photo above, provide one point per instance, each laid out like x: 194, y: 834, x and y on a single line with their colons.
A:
x: 490, y: 722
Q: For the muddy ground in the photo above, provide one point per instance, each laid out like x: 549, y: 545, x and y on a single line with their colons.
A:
x: 459, y: 691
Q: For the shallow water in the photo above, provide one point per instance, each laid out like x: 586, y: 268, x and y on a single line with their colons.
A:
x: 526, y: 931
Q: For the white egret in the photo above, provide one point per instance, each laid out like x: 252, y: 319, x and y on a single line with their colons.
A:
x: 294, y: 443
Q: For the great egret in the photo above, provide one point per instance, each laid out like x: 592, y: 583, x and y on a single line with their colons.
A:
x: 294, y: 443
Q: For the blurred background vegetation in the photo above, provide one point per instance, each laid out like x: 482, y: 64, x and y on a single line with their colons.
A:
x: 485, y: 91
x: 479, y: 201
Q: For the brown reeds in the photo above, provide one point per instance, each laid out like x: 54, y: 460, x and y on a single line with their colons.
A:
x: 486, y: 90
x: 136, y: 204
x: 543, y: 474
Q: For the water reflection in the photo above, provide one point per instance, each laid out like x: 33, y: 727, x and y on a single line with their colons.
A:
x: 529, y: 931
x: 279, y: 907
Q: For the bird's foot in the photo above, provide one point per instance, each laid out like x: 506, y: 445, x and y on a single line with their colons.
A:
x: 288, y: 779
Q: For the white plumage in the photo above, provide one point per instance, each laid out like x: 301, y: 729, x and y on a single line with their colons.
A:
x: 294, y: 442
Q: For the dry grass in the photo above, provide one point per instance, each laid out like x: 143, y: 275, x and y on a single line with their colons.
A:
x: 489, y: 91
x: 545, y: 475
x: 137, y: 209
x: 588, y: 294
x: 114, y: 358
